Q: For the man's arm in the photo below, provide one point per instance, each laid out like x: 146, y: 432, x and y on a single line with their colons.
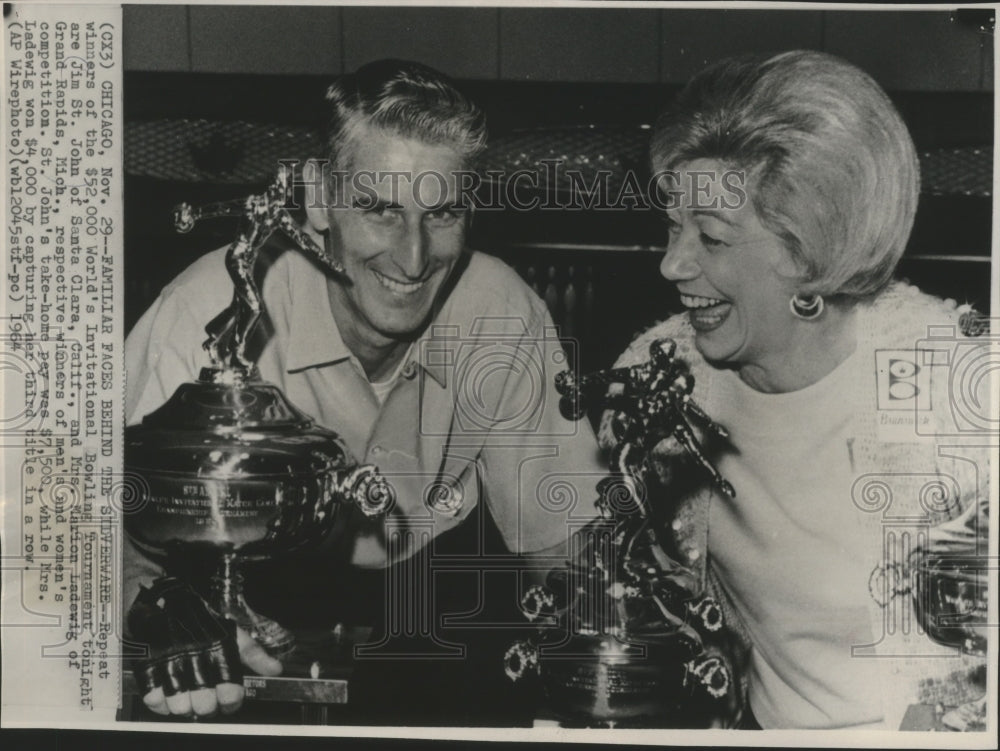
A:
x: 163, y: 350
x: 541, y: 473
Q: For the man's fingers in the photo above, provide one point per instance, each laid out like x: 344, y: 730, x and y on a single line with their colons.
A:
x: 225, y: 697
x: 254, y: 657
x: 156, y: 701
x: 229, y: 696
x: 204, y: 702
x: 179, y: 703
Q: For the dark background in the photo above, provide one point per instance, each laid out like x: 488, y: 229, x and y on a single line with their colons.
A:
x: 903, y: 50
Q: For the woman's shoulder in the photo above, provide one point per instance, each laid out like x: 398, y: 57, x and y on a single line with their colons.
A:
x: 677, y: 328
x: 943, y: 342
x: 903, y: 315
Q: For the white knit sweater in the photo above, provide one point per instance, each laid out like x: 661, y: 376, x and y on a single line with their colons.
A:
x: 914, y: 468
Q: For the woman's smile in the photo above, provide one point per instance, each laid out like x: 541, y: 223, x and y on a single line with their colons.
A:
x: 705, y: 313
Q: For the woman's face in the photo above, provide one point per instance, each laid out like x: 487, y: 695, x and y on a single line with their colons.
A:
x: 734, y: 276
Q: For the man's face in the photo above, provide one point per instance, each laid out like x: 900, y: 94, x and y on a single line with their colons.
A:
x: 397, y: 233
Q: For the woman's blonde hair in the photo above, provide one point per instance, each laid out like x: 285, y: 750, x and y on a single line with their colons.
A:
x: 830, y: 166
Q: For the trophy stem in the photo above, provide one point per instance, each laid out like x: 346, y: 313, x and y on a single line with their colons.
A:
x: 228, y: 600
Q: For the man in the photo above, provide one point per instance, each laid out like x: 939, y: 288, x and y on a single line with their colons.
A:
x: 431, y: 361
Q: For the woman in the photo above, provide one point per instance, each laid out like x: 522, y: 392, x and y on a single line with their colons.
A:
x: 792, y: 186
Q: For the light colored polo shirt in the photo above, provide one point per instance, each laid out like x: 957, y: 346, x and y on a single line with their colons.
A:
x: 473, y: 414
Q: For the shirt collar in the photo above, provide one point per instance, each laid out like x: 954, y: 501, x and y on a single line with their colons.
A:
x: 429, y: 355
x: 313, y: 336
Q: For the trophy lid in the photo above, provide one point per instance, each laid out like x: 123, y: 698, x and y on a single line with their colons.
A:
x: 225, y: 401
x: 230, y: 424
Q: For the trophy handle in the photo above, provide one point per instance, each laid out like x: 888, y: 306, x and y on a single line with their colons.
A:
x: 520, y: 658
x: 366, y: 488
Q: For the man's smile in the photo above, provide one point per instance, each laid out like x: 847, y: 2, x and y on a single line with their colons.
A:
x: 400, y: 287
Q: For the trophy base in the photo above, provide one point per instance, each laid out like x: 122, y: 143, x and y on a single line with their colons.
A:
x: 276, y: 640
x: 324, y: 653
x: 587, y: 712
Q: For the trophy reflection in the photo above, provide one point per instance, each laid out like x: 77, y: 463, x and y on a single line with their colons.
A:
x: 228, y: 467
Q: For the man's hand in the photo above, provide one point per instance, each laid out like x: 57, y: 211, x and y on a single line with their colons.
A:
x: 226, y: 697
x: 196, y: 657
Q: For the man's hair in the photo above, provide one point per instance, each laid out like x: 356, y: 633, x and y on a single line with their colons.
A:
x: 406, y: 99
x: 830, y: 166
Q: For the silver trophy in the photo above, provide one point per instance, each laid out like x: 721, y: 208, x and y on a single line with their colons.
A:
x: 950, y: 587
x: 625, y: 635
x: 228, y: 467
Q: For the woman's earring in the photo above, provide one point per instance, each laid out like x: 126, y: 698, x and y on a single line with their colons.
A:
x: 807, y: 308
